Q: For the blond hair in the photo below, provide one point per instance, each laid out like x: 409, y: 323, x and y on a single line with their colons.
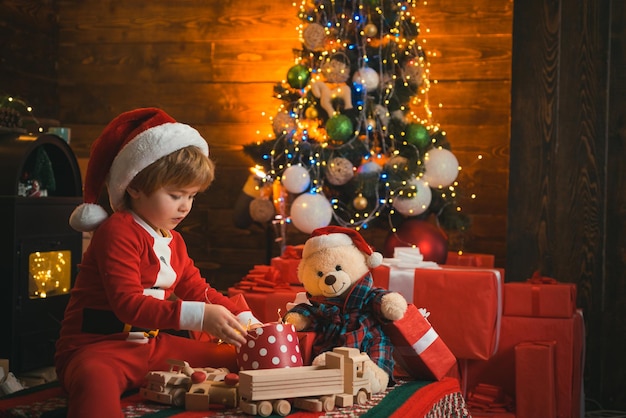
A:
x: 187, y: 167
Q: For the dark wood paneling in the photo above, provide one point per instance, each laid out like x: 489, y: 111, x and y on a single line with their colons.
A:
x: 610, y: 298
x: 567, y: 151
x: 533, y: 110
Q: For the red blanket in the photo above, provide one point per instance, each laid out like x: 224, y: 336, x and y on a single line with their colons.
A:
x: 406, y: 399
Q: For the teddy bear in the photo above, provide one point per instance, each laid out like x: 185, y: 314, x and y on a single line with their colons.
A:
x: 344, y: 308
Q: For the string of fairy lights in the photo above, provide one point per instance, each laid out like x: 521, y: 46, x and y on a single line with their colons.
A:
x: 14, y: 111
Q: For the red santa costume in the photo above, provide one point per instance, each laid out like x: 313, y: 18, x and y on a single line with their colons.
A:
x: 124, y: 291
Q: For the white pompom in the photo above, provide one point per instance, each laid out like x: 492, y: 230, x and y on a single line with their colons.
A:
x: 374, y: 260
x: 87, y: 216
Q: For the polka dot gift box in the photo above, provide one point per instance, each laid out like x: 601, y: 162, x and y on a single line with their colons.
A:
x: 272, y: 346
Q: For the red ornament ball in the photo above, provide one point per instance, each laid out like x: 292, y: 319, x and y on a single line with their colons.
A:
x: 431, y: 240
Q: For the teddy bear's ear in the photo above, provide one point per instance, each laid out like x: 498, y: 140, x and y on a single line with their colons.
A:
x: 374, y: 260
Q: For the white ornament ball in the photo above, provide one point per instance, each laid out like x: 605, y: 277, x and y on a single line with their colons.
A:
x: 335, y: 71
x: 296, y: 179
x: 283, y: 124
x: 368, y: 77
x: 418, y: 203
x: 311, y: 211
x: 441, y: 168
x: 339, y: 171
x: 313, y: 36
x: 262, y: 210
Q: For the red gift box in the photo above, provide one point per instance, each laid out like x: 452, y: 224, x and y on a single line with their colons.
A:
x: 418, y: 349
x: 266, y: 305
x: 287, y: 264
x: 535, y: 391
x: 471, y: 259
x: 500, y: 369
x: 271, y: 346
x: 287, y: 269
x: 465, y: 303
x: 543, y: 297
x: 306, y: 339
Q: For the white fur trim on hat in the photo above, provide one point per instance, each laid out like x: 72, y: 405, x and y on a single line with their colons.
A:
x: 145, y: 149
x: 87, y: 216
x: 335, y: 236
x: 313, y: 245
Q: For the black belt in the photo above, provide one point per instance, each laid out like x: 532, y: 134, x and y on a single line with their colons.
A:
x: 99, y: 321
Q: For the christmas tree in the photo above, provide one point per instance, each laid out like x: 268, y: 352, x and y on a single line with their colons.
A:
x: 354, y: 142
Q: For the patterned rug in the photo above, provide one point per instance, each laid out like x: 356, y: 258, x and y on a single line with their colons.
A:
x: 406, y: 399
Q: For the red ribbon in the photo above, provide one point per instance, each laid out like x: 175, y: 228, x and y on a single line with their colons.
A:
x: 535, y: 292
x: 262, y: 279
x: 292, y: 252
x: 537, y: 278
x: 489, y: 398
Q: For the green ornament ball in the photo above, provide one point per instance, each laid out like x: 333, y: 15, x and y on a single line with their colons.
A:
x: 298, y: 76
x: 339, y: 129
x: 418, y: 135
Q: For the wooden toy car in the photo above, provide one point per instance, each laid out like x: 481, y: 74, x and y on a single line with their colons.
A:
x: 171, y: 387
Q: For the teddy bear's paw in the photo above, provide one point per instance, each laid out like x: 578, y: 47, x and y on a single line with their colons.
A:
x: 300, y: 322
x: 320, y: 360
x: 379, y: 379
x: 393, y: 306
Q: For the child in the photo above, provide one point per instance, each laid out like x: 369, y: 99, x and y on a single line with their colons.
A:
x: 136, y: 276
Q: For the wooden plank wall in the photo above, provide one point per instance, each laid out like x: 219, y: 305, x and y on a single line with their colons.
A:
x: 213, y: 65
x: 29, y: 41
x: 567, y: 210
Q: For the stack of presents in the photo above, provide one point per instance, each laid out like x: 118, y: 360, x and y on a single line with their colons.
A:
x: 517, y: 348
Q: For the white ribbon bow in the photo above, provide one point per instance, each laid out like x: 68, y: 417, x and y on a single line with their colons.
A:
x: 409, y: 258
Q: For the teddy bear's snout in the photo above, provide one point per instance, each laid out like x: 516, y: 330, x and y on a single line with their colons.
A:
x: 330, y: 280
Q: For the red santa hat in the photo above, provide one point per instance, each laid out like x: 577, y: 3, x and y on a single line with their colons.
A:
x: 128, y: 144
x: 338, y: 236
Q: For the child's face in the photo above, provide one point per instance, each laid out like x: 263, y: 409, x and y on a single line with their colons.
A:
x: 165, y: 208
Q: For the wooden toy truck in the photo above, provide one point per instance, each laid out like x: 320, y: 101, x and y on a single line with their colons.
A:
x: 339, y: 382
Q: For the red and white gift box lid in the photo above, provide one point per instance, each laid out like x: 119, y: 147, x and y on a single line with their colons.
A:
x: 418, y: 349
x: 271, y: 346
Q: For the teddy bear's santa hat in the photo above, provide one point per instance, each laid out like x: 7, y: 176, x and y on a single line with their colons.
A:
x: 338, y: 236
x: 128, y: 144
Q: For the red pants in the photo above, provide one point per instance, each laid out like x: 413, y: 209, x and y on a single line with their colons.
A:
x: 97, y: 374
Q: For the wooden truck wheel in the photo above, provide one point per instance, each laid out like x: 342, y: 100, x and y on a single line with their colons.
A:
x: 264, y: 408
x: 361, y: 397
x: 178, y: 397
x: 282, y: 407
x: 328, y: 403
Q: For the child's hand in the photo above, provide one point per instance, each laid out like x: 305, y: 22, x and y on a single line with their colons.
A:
x: 221, y: 323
